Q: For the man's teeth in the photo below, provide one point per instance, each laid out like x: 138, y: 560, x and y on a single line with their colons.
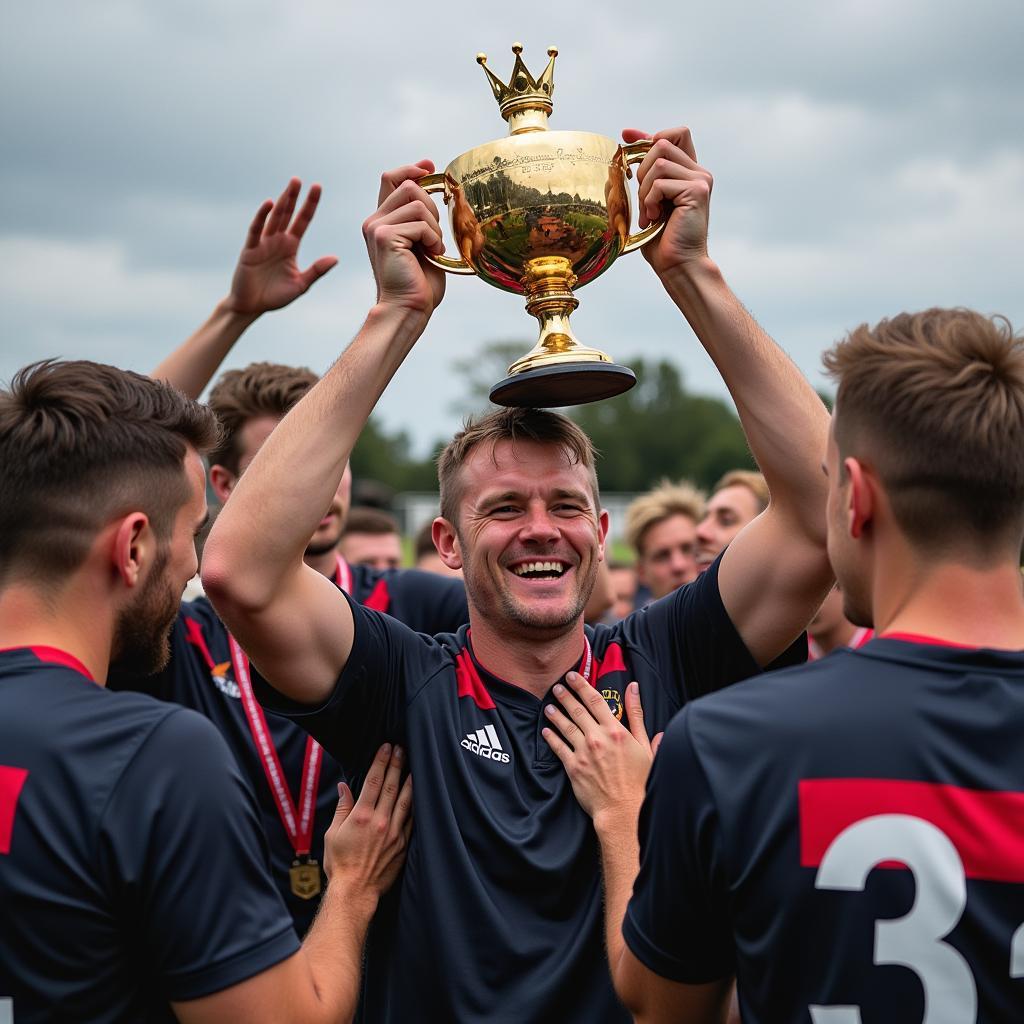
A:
x: 529, y: 567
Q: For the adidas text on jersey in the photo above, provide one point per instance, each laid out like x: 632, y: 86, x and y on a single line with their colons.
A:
x: 485, y: 742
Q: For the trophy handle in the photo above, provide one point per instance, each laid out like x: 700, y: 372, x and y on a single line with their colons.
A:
x: 634, y: 154
x: 435, y: 183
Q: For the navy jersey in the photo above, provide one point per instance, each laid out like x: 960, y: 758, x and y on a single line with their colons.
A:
x: 851, y: 836
x: 498, y: 916
x: 200, y: 675
x: 132, y: 865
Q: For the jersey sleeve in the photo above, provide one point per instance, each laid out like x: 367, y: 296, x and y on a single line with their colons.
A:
x: 690, y: 637
x: 185, y: 859
x: 368, y: 704
x: 431, y: 603
x: 678, y: 921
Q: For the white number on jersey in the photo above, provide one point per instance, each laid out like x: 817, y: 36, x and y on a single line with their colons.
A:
x: 915, y: 940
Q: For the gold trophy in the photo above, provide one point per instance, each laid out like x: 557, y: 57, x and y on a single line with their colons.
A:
x: 539, y: 213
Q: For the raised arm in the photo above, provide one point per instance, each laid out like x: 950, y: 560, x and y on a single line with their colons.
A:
x: 292, y: 621
x: 776, y: 572
x: 266, y: 277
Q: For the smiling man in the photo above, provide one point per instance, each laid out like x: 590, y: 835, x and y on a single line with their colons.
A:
x: 499, y: 915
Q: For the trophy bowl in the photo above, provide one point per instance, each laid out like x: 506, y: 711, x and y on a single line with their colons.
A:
x: 540, y: 213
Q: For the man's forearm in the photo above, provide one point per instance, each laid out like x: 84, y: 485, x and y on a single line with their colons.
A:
x: 191, y: 366
x: 620, y: 862
x: 263, y: 530
x: 334, y: 947
x: 785, y: 422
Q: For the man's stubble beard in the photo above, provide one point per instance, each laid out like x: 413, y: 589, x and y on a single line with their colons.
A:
x: 143, y: 629
x: 321, y: 547
x: 498, y: 603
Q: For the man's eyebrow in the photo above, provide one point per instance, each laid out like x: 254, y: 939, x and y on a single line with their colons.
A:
x: 496, y: 499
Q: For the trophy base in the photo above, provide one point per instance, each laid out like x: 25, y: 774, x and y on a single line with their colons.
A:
x: 550, y: 387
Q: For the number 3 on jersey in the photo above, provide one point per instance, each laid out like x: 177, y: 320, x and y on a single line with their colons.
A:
x: 943, y: 834
x: 11, y: 781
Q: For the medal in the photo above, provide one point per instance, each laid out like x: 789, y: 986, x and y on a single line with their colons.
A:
x: 305, y: 878
x: 304, y: 873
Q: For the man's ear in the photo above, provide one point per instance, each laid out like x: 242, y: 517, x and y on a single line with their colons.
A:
x: 446, y: 540
x: 603, y: 524
x: 860, y: 506
x: 133, y: 548
x: 223, y: 482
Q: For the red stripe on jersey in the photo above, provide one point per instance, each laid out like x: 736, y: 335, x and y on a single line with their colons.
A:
x: 470, y: 683
x: 194, y: 636
x: 986, y: 827
x: 55, y: 656
x: 920, y: 638
x: 11, y: 781
x: 611, y: 662
x: 379, y: 599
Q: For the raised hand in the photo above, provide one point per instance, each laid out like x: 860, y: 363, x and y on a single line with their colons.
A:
x: 403, y: 226
x: 607, y: 763
x: 364, y: 848
x: 267, y: 275
x: 671, y: 180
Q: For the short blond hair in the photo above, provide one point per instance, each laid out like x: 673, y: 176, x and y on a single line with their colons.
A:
x: 667, y: 499
x: 749, y: 478
x: 935, y: 400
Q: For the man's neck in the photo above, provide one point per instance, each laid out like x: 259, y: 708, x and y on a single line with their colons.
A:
x: 325, y: 562
x: 29, y: 619
x: 534, y: 661
x: 959, y: 603
x: 839, y: 635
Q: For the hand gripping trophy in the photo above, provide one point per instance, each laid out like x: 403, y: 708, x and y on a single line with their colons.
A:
x: 540, y: 213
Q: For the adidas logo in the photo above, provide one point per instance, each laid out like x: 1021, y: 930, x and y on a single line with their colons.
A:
x: 485, y: 742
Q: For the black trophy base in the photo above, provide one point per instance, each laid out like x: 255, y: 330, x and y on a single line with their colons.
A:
x: 550, y: 387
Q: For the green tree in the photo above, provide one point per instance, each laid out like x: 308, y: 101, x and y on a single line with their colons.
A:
x: 388, y: 459
x: 659, y: 429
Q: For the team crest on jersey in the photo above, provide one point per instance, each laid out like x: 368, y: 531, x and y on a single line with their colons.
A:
x: 614, y: 701
x: 221, y: 679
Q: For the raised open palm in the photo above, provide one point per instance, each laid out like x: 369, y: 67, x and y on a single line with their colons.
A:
x: 267, y: 275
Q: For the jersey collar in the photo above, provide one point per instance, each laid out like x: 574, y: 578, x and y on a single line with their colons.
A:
x: 54, y: 656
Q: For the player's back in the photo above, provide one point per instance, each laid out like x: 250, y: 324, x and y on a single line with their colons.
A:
x: 829, y: 783
x: 101, y: 902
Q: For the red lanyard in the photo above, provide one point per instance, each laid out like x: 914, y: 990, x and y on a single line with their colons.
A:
x: 344, y: 575
x: 588, y: 659
x: 298, y: 822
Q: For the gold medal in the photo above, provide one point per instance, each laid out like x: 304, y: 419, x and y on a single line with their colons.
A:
x: 305, y: 877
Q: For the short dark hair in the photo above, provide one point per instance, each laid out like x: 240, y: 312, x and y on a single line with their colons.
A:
x: 259, y: 389
x: 935, y: 401
x: 364, y: 519
x: 510, y: 424
x: 81, y: 443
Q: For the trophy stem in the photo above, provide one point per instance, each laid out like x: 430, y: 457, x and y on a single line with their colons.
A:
x: 548, y: 282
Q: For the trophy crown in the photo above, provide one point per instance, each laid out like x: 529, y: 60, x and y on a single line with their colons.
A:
x: 525, y: 101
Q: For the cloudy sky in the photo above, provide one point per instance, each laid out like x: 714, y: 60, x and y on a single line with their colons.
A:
x: 868, y: 157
